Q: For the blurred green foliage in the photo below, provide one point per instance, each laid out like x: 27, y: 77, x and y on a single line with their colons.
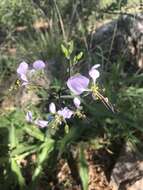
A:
x: 17, y: 13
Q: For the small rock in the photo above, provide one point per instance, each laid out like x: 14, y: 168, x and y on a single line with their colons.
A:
x: 128, y: 171
x: 123, y: 37
x: 138, y: 185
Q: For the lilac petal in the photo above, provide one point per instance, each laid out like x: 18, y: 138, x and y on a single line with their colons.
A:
x: 52, y: 108
x: 29, y: 117
x: 95, y: 66
x: 23, y: 68
x: 41, y: 123
x: 23, y: 77
x: 65, y: 113
x: 39, y: 64
x: 76, y: 102
x: 78, y: 84
x: 94, y: 73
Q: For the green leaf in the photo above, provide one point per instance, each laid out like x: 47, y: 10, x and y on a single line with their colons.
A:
x: 16, y: 169
x: 83, y: 168
x: 79, y: 56
x: 34, y: 132
x: 22, y: 149
x: 47, y: 148
x: 12, y: 137
x: 71, y: 47
x: 65, y: 51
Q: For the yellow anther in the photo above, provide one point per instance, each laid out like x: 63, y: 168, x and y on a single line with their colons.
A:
x: 17, y: 82
x: 94, y: 88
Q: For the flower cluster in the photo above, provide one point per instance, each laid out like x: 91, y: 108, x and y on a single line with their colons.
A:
x: 60, y: 116
x: 65, y: 112
x: 26, y: 74
x: 79, y: 83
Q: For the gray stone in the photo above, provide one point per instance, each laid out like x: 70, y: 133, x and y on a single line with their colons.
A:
x: 128, y: 171
x: 138, y: 185
x: 122, y: 37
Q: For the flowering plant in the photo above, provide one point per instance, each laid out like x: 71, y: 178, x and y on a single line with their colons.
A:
x: 66, y: 117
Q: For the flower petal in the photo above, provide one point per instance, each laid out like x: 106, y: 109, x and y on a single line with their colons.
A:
x: 41, y: 123
x: 29, y: 117
x: 39, y: 64
x: 66, y: 113
x: 23, y: 77
x: 78, y: 84
x: 52, y: 108
x: 95, y: 66
x: 94, y: 73
x: 22, y: 68
x: 76, y: 102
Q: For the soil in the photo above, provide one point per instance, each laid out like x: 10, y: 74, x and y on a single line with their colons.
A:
x: 99, y: 162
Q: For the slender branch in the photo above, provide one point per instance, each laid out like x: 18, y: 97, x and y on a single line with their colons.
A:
x: 61, y: 21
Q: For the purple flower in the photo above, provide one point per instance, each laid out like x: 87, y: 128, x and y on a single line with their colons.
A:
x: 25, y: 73
x: 23, y: 68
x: 22, y: 71
x: 29, y: 117
x: 66, y: 113
x: 41, y: 123
x: 78, y: 84
x: 94, y: 73
x: 39, y: 64
x: 76, y: 102
x: 52, y: 108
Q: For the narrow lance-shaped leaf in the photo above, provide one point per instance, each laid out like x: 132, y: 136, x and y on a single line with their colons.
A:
x: 34, y: 132
x: 47, y: 148
x: 79, y: 56
x: 12, y: 137
x: 16, y: 170
x: 21, y: 148
x: 65, y: 51
x: 71, y: 47
x: 83, y: 168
